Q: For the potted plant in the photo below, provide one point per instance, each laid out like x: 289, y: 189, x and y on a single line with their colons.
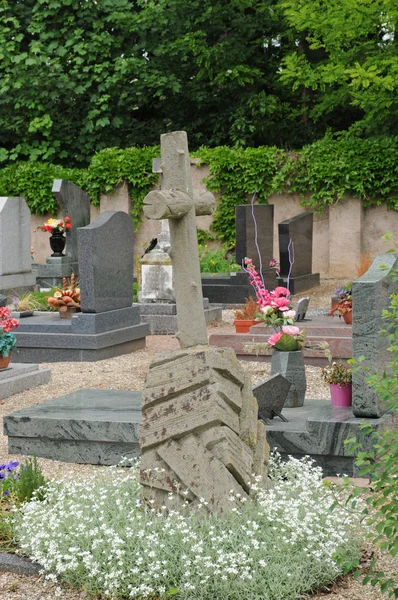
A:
x: 246, y: 317
x: 339, y: 378
x: 8, y: 340
x: 66, y: 300
x: 343, y: 304
x: 286, y: 340
x: 57, y: 228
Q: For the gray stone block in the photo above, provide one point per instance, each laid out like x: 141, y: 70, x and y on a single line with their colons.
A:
x: 106, y: 264
x: 88, y: 426
x: 11, y: 563
x: 157, y: 308
x: 166, y: 324
x: 271, y: 395
x: 101, y: 322
x: 21, y: 377
x: 55, y: 268
x: 370, y: 296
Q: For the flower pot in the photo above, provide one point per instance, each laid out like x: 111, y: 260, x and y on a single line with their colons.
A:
x: 67, y: 312
x: 341, y: 396
x: 5, y: 361
x: 57, y: 243
x: 291, y: 366
x: 348, y: 317
x: 243, y: 326
x: 335, y: 301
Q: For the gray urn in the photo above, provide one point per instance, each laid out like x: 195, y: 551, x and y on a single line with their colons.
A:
x: 291, y: 366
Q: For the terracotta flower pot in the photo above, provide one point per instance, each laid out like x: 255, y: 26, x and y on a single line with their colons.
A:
x: 5, y: 361
x: 341, y: 396
x: 243, y: 325
x: 348, y: 317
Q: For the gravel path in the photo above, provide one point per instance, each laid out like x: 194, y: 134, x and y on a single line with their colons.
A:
x: 127, y: 373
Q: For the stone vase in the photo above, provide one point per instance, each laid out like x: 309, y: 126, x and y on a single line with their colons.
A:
x: 57, y: 243
x: 291, y: 366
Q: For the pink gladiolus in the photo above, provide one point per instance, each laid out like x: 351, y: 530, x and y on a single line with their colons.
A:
x: 291, y: 329
x: 274, y: 338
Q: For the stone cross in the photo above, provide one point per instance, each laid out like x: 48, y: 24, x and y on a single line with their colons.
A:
x: 179, y: 203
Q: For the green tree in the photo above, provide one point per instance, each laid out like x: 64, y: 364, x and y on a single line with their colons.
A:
x: 345, y: 62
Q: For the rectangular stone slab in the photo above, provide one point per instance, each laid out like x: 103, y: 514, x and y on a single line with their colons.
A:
x: 246, y: 233
x: 299, y: 230
x: 21, y: 377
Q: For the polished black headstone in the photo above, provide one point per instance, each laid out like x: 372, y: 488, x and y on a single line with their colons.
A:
x: 299, y: 230
x: 246, y: 233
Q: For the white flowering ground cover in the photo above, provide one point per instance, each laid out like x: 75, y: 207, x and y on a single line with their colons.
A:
x: 97, y: 535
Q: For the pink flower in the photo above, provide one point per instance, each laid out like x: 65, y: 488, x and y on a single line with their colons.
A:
x: 266, y: 309
x: 274, y: 338
x: 280, y: 302
x: 290, y: 314
x: 281, y: 291
x: 291, y: 329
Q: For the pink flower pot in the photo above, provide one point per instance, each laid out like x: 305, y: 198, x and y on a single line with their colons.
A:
x: 341, y: 396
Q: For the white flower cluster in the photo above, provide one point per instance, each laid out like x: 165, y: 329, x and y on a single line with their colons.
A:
x: 97, y: 534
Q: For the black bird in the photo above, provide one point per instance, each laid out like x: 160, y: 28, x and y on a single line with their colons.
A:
x: 151, y: 246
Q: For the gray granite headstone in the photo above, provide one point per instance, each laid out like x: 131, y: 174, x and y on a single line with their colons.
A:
x: 370, y: 296
x: 15, y: 244
x: 301, y: 309
x: 299, y: 230
x: 271, y: 395
x: 74, y: 203
x: 106, y: 261
x: 246, y: 233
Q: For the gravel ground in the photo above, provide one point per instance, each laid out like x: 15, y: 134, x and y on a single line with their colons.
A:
x: 126, y: 373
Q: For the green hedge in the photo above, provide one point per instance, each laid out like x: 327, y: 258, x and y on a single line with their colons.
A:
x: 322, y: 173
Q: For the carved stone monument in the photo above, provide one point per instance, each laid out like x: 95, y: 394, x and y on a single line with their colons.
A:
x: 15, y: 243
x: 199, y: 432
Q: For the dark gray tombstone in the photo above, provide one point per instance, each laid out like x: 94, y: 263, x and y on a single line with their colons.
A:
x: 301, y: 309
x: 106, y: 262
x: 298, y: 230
x: 271, y: 395
x: 246, y: 233
x: 370, y: 296
x: 75, y: 204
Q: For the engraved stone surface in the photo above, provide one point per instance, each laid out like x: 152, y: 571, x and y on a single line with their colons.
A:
x: 370, y: 296
x: 246, y: 227
x: 15, y: 245
x: 200, y: 426
x: 271, y: 395
x: 106, y: 262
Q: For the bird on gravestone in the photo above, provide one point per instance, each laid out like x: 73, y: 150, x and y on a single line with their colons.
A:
x: 151, y: 246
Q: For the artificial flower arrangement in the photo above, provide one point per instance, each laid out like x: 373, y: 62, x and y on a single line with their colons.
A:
x: 68, y: 296
x: 275, y: 310
x: 344, y: 305
x: 8, y: 340
x: 55, y: 225
x: 337, y: 374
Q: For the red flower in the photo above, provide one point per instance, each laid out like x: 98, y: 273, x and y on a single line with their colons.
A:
x: 67, y: 219
x: 68, y: 225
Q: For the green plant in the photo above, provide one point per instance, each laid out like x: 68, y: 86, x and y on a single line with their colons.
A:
x: 337, y: 374
x: 18, y: 483
x: 8, y: 341
x: 249, y: 312
x: 98, y: 533
x: 40, y: 299
x: 380, y: 464
x: 215, y: 261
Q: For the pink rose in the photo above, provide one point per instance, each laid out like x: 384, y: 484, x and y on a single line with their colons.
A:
x: 280, y: 302
x: 280, y: 291
x: 291, y: 329
x: 274, y: 338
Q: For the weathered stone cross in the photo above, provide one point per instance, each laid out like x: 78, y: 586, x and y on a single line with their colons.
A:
x: 179, y: 203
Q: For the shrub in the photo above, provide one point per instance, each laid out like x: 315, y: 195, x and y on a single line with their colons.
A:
x: 97, y: 534
x: 215, y: 261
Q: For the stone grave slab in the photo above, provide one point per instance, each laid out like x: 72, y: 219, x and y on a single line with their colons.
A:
x: 299, y: 230
x: 16, y: 274
x: 20, y: 377
x: 162, y: 317
x: 252, y: 220
x: 370, y: 296
x: 106, y: 255
x: 271, y: 395
x: 93, y: 426
x: 301, y: 308
x: 319, y: 430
